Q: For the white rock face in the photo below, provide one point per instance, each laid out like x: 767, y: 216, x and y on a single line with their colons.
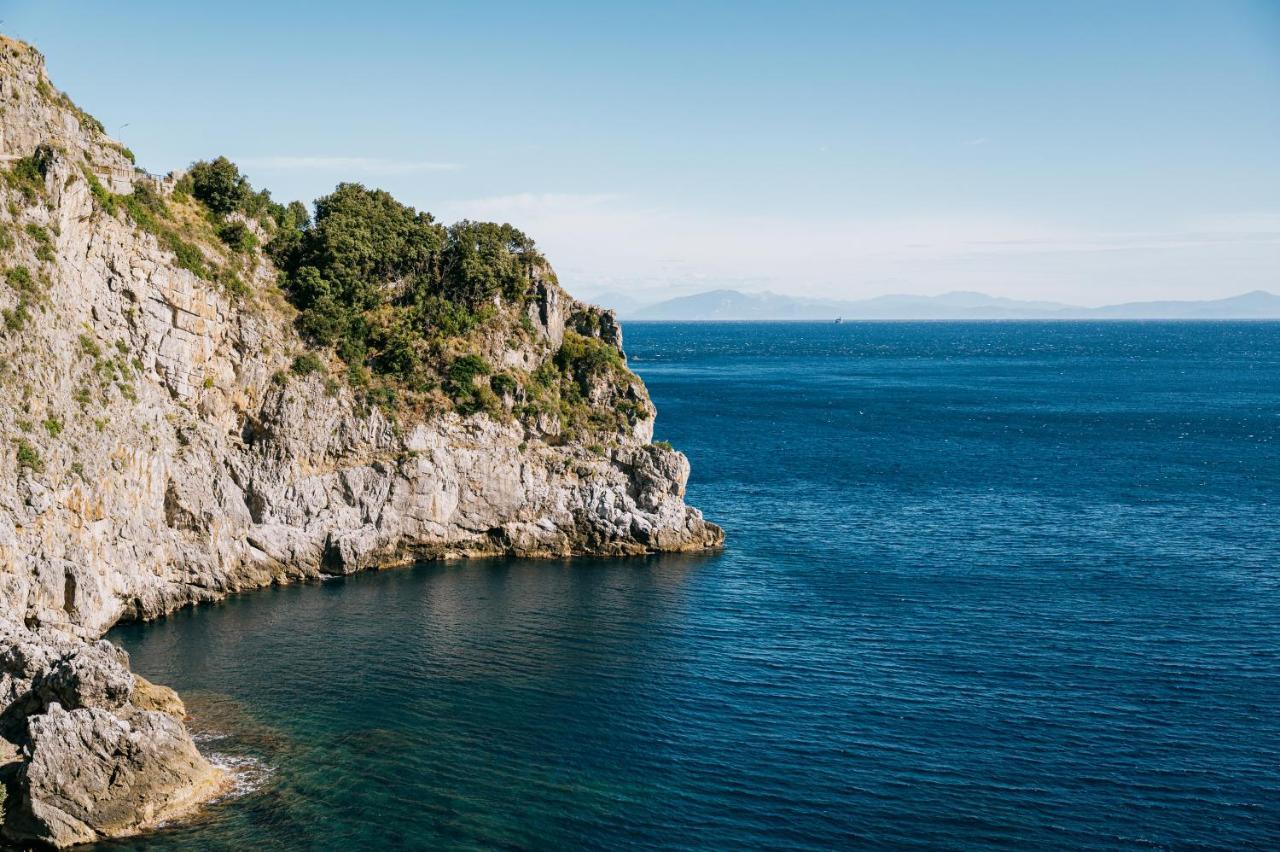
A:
x: 149, y: 461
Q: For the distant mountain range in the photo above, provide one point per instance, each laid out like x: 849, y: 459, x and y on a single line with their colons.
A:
x: 735, y: 305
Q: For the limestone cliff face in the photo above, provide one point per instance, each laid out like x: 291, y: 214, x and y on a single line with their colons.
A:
x: 156, y: 451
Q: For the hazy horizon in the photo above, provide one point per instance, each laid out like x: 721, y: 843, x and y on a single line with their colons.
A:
x: 639, y: 301
x: 1090, y: 154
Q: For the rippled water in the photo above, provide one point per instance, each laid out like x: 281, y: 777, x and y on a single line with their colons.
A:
x: 985, y: 585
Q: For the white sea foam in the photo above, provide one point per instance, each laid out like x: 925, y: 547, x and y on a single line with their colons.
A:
x: 248, y: 773
x: 207, y: 736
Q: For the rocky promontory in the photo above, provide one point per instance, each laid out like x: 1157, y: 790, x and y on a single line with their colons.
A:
x: 203, y: 391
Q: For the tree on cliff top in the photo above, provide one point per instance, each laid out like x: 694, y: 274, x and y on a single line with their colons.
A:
x: 382, y: 283
x: 483, y: 260
x: 219, y: 185
x: 363, y: 240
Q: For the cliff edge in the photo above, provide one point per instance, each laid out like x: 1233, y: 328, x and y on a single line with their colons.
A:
x: 200, y: 396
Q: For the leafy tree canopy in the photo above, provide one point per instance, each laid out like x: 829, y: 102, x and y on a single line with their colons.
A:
x: 219, y: 185
x: 367, y: 254
x: 384, y: 285
x: 483, y: 260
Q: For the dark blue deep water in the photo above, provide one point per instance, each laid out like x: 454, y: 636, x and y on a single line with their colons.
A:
x: 986, y: 585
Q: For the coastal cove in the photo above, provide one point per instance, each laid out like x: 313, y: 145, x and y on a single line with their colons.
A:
x: 205, y: 391
x: 654, y: 426
x: 984, y: 583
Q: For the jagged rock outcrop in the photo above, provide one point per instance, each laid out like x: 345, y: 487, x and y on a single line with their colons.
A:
x: 95, y: 774
x: 156, y: 451
x: 92, y: 750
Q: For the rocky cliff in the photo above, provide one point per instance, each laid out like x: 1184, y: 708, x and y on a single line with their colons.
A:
x: 159, y: 447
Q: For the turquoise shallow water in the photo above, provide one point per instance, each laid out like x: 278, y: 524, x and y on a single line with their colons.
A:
x: 985, y: 585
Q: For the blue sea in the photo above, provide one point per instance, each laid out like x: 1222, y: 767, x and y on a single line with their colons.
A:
x: 985, y: 585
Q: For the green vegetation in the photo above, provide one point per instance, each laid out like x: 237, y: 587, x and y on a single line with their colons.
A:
x: 387, y: 287
x: 145, y: 207
x: 403, y: 301
x: 238, y: 237
x: 53, y: 426
x: 182, y: 235
x: 28, y: 173
x: 28, y: 458
x: 582, y: 364
x: 187, y: 254
x: 566, y: 385
x: 468, y: 396
x: 15, y: 319
x: 586, y: 357
x: 150, y: 213
x: 43, y: 241
x: 105, y: 199
x: 307, y: 363
x: 222, y: 189
x: 504, y: 384
x: 218, y: 185
x: 53, y: 96
x: 19, y: 278
x: 29, y: 292
x: 663, y: 445
x: 89, y: 347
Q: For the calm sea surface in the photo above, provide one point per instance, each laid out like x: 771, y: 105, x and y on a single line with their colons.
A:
x: 986, y: 585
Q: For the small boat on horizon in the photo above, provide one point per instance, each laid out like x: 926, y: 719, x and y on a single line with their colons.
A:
x: 839, y: 320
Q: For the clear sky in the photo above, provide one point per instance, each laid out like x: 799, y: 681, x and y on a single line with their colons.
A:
x: 1082, y: 151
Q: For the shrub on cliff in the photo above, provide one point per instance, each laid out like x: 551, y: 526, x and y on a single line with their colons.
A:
x: 465, y: 370
x: 503, y: 384
x: 392, y: 291
x: 363, y: 241
x: 144, y: 205
x: 468, y: 396
x: 307, y: 363
x: 29, y: 458
x: 19, y: 278
x: 44, y: 242
x: 27, y: 173
x: 482, y: 260
x: 218, y: 185
x: 586, y: 357
x: 237, y: 237
x: 386, y: 285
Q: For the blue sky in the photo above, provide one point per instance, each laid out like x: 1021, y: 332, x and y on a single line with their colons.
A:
x: 1082, y: 151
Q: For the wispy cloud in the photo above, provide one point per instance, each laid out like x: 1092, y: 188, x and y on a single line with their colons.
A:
x: 347, y: 165
x: 603, y: 242
x: 529, y: 204
x: 1132, y: 241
